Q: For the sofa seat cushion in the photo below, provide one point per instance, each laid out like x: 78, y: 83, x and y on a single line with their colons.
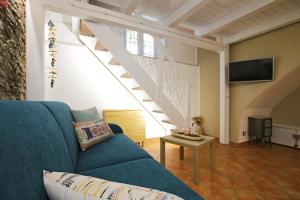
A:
x: 146, y: 173
x: 115, y: 150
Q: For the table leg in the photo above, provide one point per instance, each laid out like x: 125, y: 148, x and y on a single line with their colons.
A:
x: 212, y: 156
x: 181, y: 151
x: 196, y: 166
x: 162, y: 152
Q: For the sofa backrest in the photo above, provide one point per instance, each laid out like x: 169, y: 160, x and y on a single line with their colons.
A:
x: 63, y: 116
x: 31, y: 140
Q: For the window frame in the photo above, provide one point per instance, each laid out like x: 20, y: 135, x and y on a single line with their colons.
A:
x: 153, y: 45
x: 141, y: 44
x: 127, y: 43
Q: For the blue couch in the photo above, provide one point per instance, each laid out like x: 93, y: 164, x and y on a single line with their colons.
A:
x: 39, y: 135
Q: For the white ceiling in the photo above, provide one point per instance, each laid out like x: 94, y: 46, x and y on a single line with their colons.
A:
x: 214, y: 10
x: 223, y: 20
x: 158, y: 9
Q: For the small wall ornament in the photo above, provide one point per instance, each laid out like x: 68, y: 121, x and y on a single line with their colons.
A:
x: 52, y: 52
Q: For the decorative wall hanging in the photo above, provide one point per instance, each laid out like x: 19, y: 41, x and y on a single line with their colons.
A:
x: 52, y: 53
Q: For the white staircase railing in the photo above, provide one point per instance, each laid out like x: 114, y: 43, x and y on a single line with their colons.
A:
x: 172, y: 86
x: 115, y: 45
x: 166, y: 74
x: 170, y: 81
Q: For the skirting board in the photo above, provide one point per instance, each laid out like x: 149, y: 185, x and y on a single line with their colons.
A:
x: 283, y: 134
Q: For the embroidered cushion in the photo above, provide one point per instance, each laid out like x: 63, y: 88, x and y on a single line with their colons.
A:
x: 60, y: 185
x: 92, y: 132
x: 86, y: 115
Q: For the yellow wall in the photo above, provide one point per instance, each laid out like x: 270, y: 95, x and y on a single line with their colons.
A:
x: 288, y: 110
x: 284, y: 44
x: 210, y: 91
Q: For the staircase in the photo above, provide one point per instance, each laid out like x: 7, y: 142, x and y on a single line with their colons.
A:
x: 110, y: 50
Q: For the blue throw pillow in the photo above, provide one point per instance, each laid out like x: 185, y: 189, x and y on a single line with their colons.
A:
x: 90, y: 114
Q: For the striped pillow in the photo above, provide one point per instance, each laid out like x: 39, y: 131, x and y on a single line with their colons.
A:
x: 60, y: 185
x: 92, y: 132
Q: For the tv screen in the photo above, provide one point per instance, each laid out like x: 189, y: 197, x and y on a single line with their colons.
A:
x: 251, y: 70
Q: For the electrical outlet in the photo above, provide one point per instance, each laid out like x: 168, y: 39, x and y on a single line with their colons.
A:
x: 244, y: 133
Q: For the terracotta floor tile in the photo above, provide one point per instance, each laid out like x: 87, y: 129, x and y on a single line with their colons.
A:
x: 267, y: 184
x: 242, y: 184
x: 220, y: 181
x: 249, y: 195
x: 242, y: 171
x: 202, y: 189
x: 277, y: 195
x: 218, y: 193
x: 218, y: 170
x: 294, y: 194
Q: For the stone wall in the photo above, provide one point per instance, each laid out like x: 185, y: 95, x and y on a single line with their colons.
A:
x: 12, y: 50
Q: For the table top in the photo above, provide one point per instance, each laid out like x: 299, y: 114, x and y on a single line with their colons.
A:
x: 185, y: 142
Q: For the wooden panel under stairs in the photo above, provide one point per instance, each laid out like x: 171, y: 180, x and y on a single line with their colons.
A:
x: 100, y: 47
x: 113, y: 61
x: 137, y: 88
x: 126, y: 75
x: 167, y: 122
x: 131, y: 121
x: 85, y: 30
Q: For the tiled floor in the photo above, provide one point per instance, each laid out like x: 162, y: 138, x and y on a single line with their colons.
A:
x: 242, y: 171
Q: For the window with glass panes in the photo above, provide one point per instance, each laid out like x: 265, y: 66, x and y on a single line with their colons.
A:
x: 148, y: 45
x: 132, y: 41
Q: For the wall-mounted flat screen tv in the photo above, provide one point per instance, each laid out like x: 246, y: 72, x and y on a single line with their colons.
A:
x: 251, y: 70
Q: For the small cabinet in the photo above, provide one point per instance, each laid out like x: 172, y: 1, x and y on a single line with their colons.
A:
x: 260, y: 128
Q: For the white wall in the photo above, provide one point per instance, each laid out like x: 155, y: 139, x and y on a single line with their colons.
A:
x: 34, y: 55
x: 181, y: 53
x: 84, y: 82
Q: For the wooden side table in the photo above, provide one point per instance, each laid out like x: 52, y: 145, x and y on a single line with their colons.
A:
x: 195, y: 146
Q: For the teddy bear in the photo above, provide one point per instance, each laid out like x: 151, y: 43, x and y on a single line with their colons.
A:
x: 197, y: 125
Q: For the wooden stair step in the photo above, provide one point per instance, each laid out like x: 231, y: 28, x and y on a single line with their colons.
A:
x: 126, y: 75
x: 137, y: 88
x: 100, y: 47
x: 158, y: 111
x: 113, y: 61
x: 167, y: 121
x: 85, y: 30
x: 148, y: 100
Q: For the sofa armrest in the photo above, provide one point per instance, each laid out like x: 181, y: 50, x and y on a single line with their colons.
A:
x: 115, y: 128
